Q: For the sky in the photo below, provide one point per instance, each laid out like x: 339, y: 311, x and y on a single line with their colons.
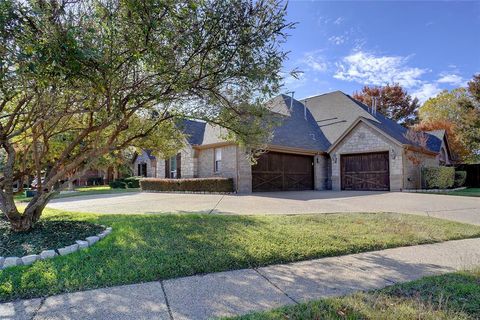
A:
x: 425, y: 46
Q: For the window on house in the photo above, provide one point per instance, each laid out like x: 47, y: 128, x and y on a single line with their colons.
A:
x: 218, y: 159
x: 173, y: 167
x: 142, y: 169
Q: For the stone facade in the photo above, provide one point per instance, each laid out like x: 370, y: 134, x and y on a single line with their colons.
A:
x: 143, y: 158
x: 320, y: 172
x: 234, y: 165
x: 412, y: 171
x: 188, y: 164
x: 363, y: 139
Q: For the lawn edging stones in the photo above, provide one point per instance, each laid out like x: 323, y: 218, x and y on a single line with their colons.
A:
x: 6, y: 262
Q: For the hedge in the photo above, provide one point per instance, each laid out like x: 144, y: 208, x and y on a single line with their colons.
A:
x: 460, y: 178
x: 131, y: 182
x: 192, y: 185
x: 438, y: 177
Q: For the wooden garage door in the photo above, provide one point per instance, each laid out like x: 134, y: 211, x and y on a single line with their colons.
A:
x: 282, y: 172
x: 368, y: 171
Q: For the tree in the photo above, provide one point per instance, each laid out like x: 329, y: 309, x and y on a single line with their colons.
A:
x: 83, y: 79
x: 392, y: 100
x: 458, y: 108
x: 474, y: 87
x: 457, y: 147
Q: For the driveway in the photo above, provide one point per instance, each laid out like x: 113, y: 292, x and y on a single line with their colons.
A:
x: 465, y: 209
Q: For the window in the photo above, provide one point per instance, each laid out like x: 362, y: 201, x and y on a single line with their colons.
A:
x: 173, y: 167
x: 142, y: 169
x: 217, y: 159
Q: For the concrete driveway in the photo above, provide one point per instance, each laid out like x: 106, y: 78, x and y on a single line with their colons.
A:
x: 465, y: 209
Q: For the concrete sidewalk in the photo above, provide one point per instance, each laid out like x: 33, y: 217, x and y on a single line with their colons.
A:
x: 242, y: 291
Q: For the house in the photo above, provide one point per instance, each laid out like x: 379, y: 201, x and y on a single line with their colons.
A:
x: 329, y: 141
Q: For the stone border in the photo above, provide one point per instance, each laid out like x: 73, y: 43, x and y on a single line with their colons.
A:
x: 433, y: 190
x: 6, y: 262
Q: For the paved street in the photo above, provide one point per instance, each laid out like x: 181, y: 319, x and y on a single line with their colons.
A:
x: 464, y: 209
x: 242, y: 291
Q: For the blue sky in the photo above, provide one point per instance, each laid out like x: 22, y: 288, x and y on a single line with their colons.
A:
x: 425, y: 46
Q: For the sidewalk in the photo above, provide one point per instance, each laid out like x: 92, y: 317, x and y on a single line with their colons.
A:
x: 242, y: 291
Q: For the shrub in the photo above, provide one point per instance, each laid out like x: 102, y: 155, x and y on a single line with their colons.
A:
x: 133, y: 182
x: 195, y: 185
x: 438, y: 177
x: 118, y: 184
x: 460, y: 178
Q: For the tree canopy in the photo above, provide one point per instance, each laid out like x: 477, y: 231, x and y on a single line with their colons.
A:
x: 83, y: 79
x: 392, y: 100
x: 456, y: 111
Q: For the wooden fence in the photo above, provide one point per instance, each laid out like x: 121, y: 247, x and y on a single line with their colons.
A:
x: 473, y: 174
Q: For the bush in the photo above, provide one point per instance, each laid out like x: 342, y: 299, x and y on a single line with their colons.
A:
x: 118, y: 184
x: 133, y: 182
x: 438, y: 177
x: 194, y: 185
x: 460, y: 178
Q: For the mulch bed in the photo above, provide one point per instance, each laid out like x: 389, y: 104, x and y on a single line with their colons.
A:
x: 46, y: 235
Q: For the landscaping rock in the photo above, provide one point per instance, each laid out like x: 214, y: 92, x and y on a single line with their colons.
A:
x: 82, y: 244
x: 27, y: 260
x: 67, y: 250
x: 12, y: 261
x: 102, y: 235
x: 47, y: 254
x: 2, y: 259
x: 92, y: 240
x: 108, y: 230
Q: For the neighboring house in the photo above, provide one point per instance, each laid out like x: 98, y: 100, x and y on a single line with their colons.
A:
x: 330, y: 141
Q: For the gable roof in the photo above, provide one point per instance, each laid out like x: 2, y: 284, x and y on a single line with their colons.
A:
x: 298, y: 128
x: 343, y: 107
x: 194, y: 131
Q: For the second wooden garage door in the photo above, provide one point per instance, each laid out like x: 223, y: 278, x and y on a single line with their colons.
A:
x: 282, y: 172
x: 368, y: 171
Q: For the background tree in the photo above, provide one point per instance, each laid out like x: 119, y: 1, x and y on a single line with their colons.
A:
x: 458, y: 108
x: 83, y: 79
x: 474, y: 87
x: 392, y: 100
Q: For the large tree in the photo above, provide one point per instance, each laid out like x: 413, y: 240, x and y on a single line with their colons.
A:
x: 82, y: 79
x: 459, y: 111
x: 392, y: 100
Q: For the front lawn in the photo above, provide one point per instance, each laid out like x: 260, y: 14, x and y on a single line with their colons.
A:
x: 152, y: 247
x: 451, y: 296
x: 468, y: 192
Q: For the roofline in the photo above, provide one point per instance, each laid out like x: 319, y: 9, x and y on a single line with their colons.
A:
x: 353, y: 125
x: 284, y: 149
x: 213, y: 145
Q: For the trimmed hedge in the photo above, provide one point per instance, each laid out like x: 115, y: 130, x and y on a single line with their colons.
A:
x: 192, y: 185
x: 460, y: 178
x: 438, y: 177
x: 118, y: 184
x: 131, y: 182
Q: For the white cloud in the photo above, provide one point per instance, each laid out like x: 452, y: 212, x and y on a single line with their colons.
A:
x: 366, y: 68
x: 338, y: 21
x: 453, y: 79
x: 337, y: 39
x: 315, y: 61
x: 426, y: 91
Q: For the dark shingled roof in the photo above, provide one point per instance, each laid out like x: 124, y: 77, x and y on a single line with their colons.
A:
x: 194, y: 130
x: 397, y: 131
x: 298, y: 132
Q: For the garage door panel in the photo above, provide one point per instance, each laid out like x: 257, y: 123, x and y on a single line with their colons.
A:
x: 369, y: 171
x: 282, y: 172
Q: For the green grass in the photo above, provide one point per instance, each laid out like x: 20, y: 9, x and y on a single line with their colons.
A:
x: 468, y: 192
x: 448, y: 297
x: 83, y: 191
x: 153, y: 247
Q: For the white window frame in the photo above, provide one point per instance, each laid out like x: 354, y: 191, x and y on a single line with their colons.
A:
x: 217, y: 160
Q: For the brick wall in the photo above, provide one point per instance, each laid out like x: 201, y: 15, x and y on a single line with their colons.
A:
x: 188, y: 162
